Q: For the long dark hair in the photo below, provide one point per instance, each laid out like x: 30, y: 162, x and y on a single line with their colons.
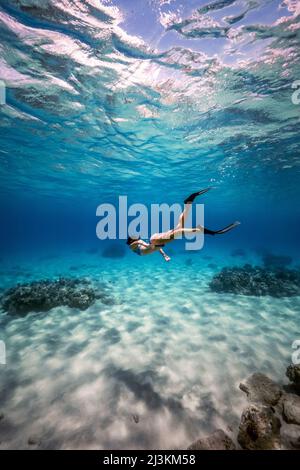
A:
x: 131, y: 240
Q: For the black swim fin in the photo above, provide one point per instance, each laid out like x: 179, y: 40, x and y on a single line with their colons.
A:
x: 193, y: 196
x: 223, y: 230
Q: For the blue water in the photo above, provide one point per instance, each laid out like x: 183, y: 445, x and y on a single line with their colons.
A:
x: 152, y: 100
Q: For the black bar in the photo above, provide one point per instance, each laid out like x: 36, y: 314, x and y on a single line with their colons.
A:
x: 138, y: 459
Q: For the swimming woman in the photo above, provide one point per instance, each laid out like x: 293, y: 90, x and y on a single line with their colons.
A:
x: 159, y: 240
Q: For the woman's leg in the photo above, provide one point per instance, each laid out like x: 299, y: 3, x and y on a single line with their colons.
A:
x: 183, y: 216
x: 178, y: 232
x: 167, y: 237
x: 199, y: 229
x: 161, y: 238
x: 187, y: 207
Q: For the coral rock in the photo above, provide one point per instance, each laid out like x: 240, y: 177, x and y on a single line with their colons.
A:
x: 291, y: 408
x: 259, y: 388
x: 257, y: 281
x: 293, y: 373
x: 216, y: 441
x: 41, y: 296
x: 259, y: 429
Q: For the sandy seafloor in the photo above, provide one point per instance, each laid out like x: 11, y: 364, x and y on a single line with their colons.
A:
x: 156, y: 370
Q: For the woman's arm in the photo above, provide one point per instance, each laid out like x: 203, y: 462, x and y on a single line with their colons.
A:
x: 167, y: 258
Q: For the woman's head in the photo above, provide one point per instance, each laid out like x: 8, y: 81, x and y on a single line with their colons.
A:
x: 131, y: 240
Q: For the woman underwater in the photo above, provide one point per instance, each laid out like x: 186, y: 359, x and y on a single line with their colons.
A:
x: 159, y: 240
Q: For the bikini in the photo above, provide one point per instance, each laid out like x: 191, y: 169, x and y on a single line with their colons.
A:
x: 138, y: 251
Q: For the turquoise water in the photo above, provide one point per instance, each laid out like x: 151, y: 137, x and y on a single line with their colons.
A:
x: 152, y: 100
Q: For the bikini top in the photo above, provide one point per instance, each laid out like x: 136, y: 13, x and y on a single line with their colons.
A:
x: 138, y: 250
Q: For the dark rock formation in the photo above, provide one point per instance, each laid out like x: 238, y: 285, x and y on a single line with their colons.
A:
x: 291, y: 408
x: 275, y: 261
x: 256, y: 281
x: 260, y: 389
x: 41, y: 296
x: 271, y: 399
x: 290, y: 436
x: 259, y: 429
x: 218, y: 440
x: 114, y: 251
x: 293, y: 374
x: 270, y: 422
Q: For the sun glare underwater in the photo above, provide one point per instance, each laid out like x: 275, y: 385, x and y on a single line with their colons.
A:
x: 152, y: 100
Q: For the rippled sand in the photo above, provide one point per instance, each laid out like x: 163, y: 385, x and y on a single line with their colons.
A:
x: 158, y: 369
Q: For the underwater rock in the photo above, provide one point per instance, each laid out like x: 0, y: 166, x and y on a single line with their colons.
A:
x: 291, y: 408
x: 114, y: 251
x: 218, y: 440
x: 275, y: 261
x: 290, y: 436
x: 238, y: 252
x: 256, y: 281
x: 261, y: 426
x: 41, y: 296
x: 260, y: 389
x: 259, y: 429
x: 293, y: 374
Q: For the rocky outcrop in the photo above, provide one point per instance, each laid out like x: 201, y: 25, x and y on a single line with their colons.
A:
x: 271, y: 404
x: 41, y: 296
x: 270, y: 422
x: 259, y: 429
x: 257, y: 281
x: 293, y: 374
x: 291, y: 408
x: 260, y: 389
x: 290, y: 436
x: 216, y: 441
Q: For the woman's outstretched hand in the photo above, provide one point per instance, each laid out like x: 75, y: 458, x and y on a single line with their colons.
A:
x: 167, y: 258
